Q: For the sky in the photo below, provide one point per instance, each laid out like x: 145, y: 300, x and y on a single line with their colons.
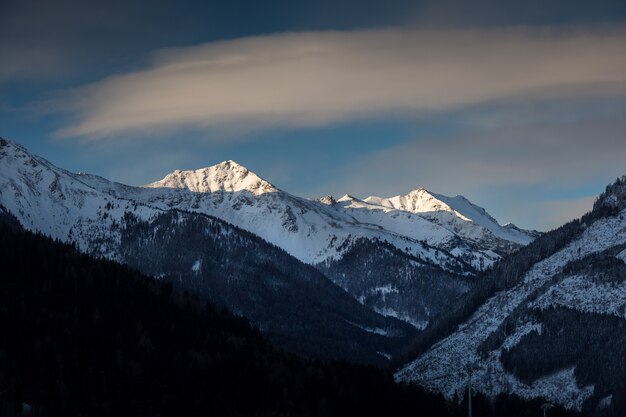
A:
x: 519, y: 106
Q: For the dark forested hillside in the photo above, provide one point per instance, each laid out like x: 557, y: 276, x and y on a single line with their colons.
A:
x: 293, y: 304
x: 392, y: 282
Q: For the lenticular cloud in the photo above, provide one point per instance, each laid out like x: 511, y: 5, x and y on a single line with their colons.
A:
x: 316, y: 78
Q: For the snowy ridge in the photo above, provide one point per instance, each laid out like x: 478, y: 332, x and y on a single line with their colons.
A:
x: 52, y: 201
x: 579, y: 292
x: 439, y: 367
x: 308, y: 230
x: 319, y: 230
x: 456, y: 214
x: 226, y: 176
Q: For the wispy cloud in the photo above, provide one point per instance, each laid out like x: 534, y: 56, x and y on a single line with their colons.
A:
x: 317, y: 78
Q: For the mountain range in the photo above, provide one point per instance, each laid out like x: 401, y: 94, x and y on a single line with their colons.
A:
x: 194, y: 228
x: 431, y: 285
x: 548, y: 321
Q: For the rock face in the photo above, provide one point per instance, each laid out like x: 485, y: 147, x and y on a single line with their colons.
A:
x: 549, y: 321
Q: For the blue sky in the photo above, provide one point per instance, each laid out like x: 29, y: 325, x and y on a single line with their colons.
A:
x: 519, y: 106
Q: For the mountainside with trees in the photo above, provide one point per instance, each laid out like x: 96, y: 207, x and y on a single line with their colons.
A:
x: 548, y: 321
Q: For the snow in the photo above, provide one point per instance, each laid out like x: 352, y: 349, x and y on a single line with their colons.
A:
x: 57, y: 203
x: 479, y: 216
x: 390, y: 312
x: 605, y: 402
x: 439, y: 368
x: 327, y: 200
x: 385, y: 355
x: 559, y: 386
x: 196, y: 266
x: 226, y: 176
x: 580, y: 293
x: 374, y: 330
x: 384, y: 290
x: 457, y: 214
x: 312, y: 231
x: 521, y: 331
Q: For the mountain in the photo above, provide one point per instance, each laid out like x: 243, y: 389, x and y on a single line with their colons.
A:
x: 548, y: 321
x: 89, y: 337
x: 439, y: 243
x: 328, y: 223
x: 438, y: 247
x: 293, y: 303
x: 460, y: 216
x: 395, y: 284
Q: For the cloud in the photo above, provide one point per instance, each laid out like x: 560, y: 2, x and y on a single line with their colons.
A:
x: 318, y: 78
x: 42, y: 40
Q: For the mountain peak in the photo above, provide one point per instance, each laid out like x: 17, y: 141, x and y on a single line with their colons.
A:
x: 227, y: 176
x: 613, y: 196
x: 230, y: 164
x: 419, y: 200
x: 328, y: 200
x: 346, y: 197
x: 7, y: 143
x: 419, y: 190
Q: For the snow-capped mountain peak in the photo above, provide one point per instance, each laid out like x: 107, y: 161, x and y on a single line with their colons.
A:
x: 419, y: 200
x: 457, y: 214
x: 226, y: 176
x: 345, y: 198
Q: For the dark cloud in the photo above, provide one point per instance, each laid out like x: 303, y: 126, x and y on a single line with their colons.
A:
x: 86, y: 39
x: 69, y: 38
x: 516, y: 13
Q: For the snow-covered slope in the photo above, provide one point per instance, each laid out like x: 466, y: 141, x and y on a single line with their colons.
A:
x: 52, y: 201
x: 509, y: 339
